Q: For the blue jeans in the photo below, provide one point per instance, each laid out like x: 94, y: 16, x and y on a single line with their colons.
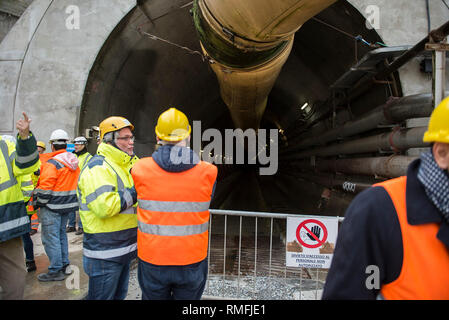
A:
x: 108, y: 280
x: 54, y: 239
x: 72, y: 220
x: 28, y: 245
x: 172, y: 282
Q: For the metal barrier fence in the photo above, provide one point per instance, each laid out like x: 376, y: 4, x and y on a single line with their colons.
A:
x: 250, y: 264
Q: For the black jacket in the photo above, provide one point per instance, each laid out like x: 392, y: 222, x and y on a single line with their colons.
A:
x: 371, y: 235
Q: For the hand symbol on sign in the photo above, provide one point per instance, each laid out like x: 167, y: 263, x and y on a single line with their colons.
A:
x: 316, y: 230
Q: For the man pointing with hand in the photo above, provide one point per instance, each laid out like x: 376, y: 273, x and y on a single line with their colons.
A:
x: 15, y: 161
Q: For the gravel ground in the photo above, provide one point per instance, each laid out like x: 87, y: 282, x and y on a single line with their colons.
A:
x: 134, y: 292
x: 264, y: 288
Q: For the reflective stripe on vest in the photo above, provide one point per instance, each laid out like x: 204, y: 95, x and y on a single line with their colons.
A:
x: 173, y: 212
x: 173, y: 206
x: 12, y: 180
x: 130, y: 210
x: 12, y: 224
x: 94, y: 195
x: 119, y: 246
x: 25, y: 159
x: 425, y: 264
x: 34, y: 221
x: 27, y: 193
x: 108, y: 188
x: 55, y: 193
x: 171, y: 231
x: 26, y: 183
x: 56, y: 207
x: 57, y: 200
x: 110, y: 253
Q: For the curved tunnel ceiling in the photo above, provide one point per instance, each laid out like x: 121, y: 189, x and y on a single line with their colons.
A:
x: 138, y: 78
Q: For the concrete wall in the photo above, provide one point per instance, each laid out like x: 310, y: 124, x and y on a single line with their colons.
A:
x: 44, y: 65
x: 404, y: 22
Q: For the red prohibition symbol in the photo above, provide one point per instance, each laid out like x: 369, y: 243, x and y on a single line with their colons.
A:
x: 302, y: 225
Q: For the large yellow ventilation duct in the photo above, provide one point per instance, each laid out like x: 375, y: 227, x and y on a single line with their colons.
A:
x: 248, y: 42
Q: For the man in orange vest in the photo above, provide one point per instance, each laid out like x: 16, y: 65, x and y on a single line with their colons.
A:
x: 393, y: 243
x: 56, y: 196
x: 174, y: 189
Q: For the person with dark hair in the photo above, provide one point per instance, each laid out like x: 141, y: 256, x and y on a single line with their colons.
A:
x: 56, y: 196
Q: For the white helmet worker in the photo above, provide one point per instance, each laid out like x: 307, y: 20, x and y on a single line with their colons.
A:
x: 59, y: 136
x: 80, y: 140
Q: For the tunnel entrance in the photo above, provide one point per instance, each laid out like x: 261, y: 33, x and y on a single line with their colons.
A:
x: 138, y: 77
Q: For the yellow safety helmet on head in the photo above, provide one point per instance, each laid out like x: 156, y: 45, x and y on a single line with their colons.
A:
x: 173, y: 126
x: 438, y: 130
x: 112, y: 124
x: 41, y: 144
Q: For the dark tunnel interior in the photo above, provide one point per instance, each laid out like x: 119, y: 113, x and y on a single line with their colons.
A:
x: 138, y: 77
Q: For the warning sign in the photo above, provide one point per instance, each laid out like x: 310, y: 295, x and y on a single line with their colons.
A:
x: 311, y: 242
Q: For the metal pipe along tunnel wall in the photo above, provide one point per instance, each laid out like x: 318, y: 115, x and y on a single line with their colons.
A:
x: 138, y: 76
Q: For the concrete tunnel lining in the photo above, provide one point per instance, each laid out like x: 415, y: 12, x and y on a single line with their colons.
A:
x: 115, y: 71
x: 51, y: 63
x: 138, y: 77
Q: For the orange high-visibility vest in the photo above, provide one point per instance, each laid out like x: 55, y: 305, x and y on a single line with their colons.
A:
x: 173, y: 212
x: 425, y: 265
x: 57, y: 185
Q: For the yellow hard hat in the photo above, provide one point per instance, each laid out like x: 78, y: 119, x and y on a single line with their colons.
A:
x: 41, y: 144
x: 438, y: 130
x: 172, y: 125
x: 112, y: 124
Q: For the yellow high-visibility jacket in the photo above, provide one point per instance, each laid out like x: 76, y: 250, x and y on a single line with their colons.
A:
x: 15, y: 163
x: 108, y: 200
x: 27, y: 186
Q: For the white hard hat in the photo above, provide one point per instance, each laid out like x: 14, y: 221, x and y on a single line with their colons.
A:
x: 58, y: 135
x: 80, y: 140
x: 9, y: 138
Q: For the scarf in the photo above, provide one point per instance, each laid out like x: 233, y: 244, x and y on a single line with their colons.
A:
x: 435, y: 182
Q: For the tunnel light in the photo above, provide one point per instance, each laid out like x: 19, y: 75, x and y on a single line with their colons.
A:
x: 304, y: 106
